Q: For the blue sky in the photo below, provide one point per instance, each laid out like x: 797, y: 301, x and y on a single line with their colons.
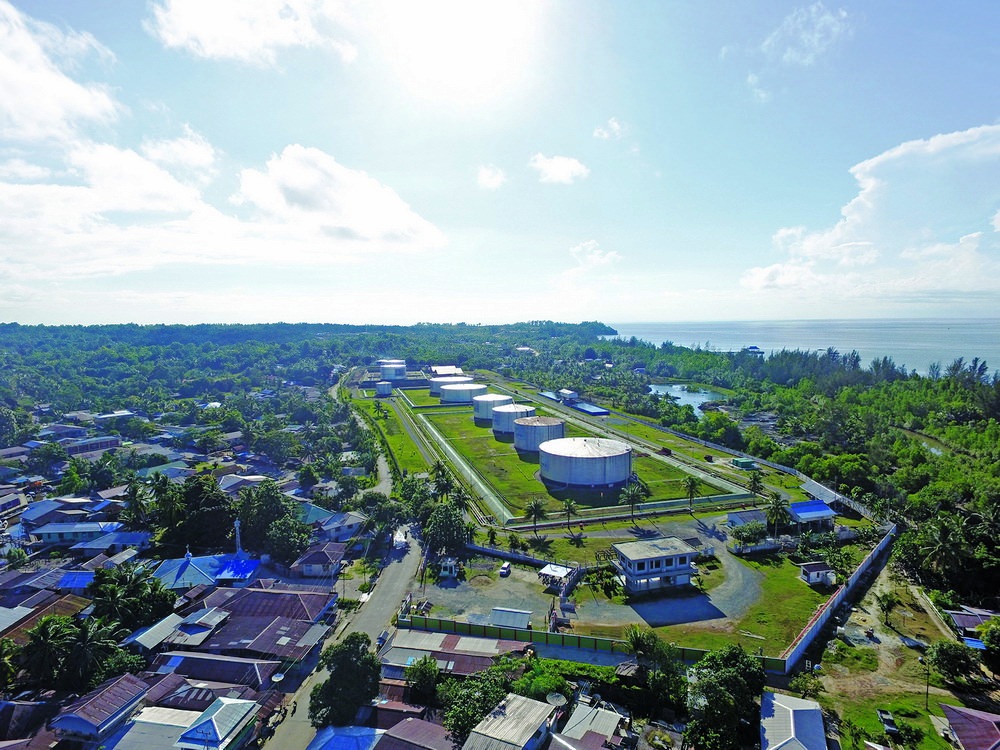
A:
x: 396, y: 162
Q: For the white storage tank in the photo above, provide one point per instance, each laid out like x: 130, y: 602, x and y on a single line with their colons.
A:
x: 437, y: 383
x: 504, y: 416
x: 383, y: 388
x: 392, y: 369
x: 530, y: 432
x: 483, y: 406
x: 585, y: 461
x: 461, y: 393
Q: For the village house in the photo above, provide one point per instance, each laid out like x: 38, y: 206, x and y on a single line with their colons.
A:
x: 655, y: 564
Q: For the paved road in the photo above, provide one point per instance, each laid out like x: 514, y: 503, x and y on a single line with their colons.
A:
x: 374, y: 616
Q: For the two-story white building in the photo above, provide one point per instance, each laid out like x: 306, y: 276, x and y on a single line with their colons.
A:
x: 655, y: 564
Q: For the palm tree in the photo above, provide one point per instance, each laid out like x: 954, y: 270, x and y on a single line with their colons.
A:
x: 135, y: 514
x: 641, y: 641
x: 535, y: 510
x: 756, y: 483
x: 93, y: 642
x: 443, y: 484
x: 691, y: 483
x: 943, y: 544
x: 49, y: 642
x: 776, y: 511
x: 459, y: 497
x: 9, y: 653
x: 632, y: 494
x: 570, y: 508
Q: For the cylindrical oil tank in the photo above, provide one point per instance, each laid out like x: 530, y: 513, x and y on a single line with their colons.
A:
x: 483, y: 406
x: 383, y: 388
x: 585, y: 461
x: 395, y: 370
x: 530, y: 432
x: 461, y: 393
x: 442, y: 380
x: 504, y: 416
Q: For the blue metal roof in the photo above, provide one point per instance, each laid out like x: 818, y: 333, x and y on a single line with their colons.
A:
x: 588, y: 408
x: 810, y: 510
x: 76, y: 579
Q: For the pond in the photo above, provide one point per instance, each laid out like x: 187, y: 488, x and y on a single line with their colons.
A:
x: 695, y: 396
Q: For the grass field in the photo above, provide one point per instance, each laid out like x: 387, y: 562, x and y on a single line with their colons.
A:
x: 775, y: 627
x: 402, y: 446
x: 514, y: 476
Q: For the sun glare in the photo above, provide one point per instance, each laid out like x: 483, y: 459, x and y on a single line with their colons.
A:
x: 460, y: 52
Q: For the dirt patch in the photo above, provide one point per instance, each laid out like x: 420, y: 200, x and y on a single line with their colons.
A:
x: 480, y: 581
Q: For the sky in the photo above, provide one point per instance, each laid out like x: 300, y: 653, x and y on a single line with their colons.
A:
x: 394, y: 162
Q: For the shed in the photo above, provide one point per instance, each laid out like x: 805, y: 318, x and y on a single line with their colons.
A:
x: 510, y: 618
x: 744, y: 463
x: 817, y: 573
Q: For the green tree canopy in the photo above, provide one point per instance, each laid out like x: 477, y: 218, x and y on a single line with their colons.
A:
x: 354, y: 674
x: 445, y: 529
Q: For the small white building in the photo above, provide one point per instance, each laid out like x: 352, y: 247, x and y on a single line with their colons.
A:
x: 817, y: 573
x: 654, y: 564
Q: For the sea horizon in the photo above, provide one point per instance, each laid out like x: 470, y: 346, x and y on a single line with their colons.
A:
x: 913, y: 343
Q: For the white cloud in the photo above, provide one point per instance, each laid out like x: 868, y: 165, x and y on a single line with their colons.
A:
x: 759, y: 92
x: 309, y: 187
x: 188, y: 154
x: 805, y: 34
x: 564, y: 170
x: 921, y: 229
x: 250, y: 31
x: 612, y: 130
x: 589, y: 256
x: 490, y: 177
x: 19, y: 169
x: 38, y: 100
x: 579, y: 282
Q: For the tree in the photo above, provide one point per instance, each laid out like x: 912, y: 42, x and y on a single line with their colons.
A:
x: 691, y: 483
x: 207, y: 521
x: 990, y: 635
x: 422, y: 676
x: 467, y: 702
x: 445, y: 529
x: 93, y: 643
x: 270, y: 522
x: 130, y: 595
x: 9, y: 654
x: 749, y: 533
x: 49, y: 642
x: 806, y: 684
x: 535, y: 510
x: 756, y: 482
x: 16, y: 558
x: 723, y: 694
x: 354, y: 674
x: 641, y: 641
x: 136, y: 512
x: 886, y: 603
x: 952, y: 659
x: 570, y: 508
x: 632, y: 494
x: 776, y: 511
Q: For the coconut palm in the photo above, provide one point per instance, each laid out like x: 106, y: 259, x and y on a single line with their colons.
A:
x: 570, y: 508
x: 92, y: 643
x: 640, y: 641
x: 535, y: 510
x: 944, y: 543
x: 691, y: 483
x: 443, y: 484
x: 632, y: 494
x: 49, y: 641
x: 9, y: 653
x: 756, y: 483
x: 135, y: 513
x: 776, y: 511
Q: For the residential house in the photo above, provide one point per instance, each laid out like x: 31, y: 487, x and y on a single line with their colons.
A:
x: 225, y: 725
x: 322, y: 560
x: 95, y: 716
x: 790, y: 723
x: 655, y: 564
x: 517, y: 723
x: 100, y: 444
x: 113, y: 543
x: 968, y: 620
x: 340, y: 527
x: 592, y: 728
x: 972, y: 729
x: 455, y: 655
x: 736, y: 518
x: 415, y: 734
x: 255, y: 673
x: 295, y: 604
x: 68, y: 534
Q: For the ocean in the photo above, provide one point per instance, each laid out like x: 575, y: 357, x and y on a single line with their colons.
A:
x: 914, y: 344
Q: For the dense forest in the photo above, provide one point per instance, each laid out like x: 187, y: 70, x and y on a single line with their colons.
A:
x: 923, y: 451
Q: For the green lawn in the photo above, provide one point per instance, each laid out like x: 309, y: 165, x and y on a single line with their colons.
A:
x: 514, y: 475
x: 775, y: 626
x: 402, y: 446
x: 905, y: 707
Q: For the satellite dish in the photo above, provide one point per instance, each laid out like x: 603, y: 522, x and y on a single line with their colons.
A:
x: 555, y: 699
x: 277, y: 677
